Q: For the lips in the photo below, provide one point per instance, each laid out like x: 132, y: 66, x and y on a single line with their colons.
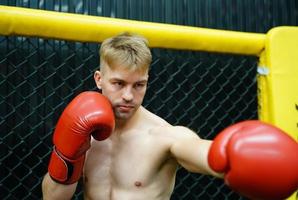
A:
x: 125, y: 108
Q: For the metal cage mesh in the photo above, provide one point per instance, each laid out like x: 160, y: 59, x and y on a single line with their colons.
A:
x: 205, y: 92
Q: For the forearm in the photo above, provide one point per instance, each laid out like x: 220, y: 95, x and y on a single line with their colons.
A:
x: 204, y: 147
x: 52, y: 190
x: 192, y: 154
x: 191, y: 151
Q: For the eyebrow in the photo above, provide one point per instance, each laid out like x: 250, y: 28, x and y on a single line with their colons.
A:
x: 142, y: 81
x: 121, y: 80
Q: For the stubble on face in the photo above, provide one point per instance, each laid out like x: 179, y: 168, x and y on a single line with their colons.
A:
x: 124, y: 111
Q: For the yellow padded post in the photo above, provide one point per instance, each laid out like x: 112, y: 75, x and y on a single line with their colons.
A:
x: 278, y: 81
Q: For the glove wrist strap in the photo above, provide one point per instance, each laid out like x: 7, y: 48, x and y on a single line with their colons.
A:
x: 64, y: 170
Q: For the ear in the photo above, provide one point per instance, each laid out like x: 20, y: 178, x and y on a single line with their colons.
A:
x: 97, y: 79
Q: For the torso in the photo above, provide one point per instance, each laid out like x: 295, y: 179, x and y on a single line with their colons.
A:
x: 134, y: 164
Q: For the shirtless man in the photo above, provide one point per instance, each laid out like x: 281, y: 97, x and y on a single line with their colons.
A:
x: 132, y: 154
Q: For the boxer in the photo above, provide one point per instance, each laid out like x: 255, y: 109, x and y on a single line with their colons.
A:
x: 123, y: 151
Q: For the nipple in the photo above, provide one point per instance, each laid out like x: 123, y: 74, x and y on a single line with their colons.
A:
x: 138, y: 184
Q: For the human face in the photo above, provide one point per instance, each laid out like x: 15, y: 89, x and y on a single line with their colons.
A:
x: 124, y: 88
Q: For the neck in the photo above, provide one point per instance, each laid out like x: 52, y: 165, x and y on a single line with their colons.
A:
x: 121, y: 123
x: 124, y: 124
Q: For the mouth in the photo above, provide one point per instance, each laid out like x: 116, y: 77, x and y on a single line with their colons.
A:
x: 125, y: 108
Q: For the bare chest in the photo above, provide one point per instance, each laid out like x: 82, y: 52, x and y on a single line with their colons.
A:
x: 128, y: 164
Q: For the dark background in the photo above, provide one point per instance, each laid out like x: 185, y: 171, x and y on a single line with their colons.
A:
x: 204, y: 91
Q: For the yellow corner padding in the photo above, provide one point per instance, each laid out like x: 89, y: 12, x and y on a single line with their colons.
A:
x: 278, y: 81
x: 278, y: 86
x: 83, y: 28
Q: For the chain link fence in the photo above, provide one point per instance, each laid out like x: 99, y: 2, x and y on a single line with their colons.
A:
x: 203, y: 91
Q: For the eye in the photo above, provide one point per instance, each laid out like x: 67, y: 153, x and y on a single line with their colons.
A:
x: 140, y: 85
x: 117, y: 84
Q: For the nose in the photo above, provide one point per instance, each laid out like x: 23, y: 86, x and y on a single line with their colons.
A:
x: 127, y: 94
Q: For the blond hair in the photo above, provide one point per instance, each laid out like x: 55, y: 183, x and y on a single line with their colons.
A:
x: 125, y: 50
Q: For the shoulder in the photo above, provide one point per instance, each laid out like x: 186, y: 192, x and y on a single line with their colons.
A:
x: 152, y: 119
x: 160, y: 127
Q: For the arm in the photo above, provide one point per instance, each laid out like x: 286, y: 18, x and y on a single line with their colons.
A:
x: 56, y: 191
x: 88, y: 114
x: 190, y: 151
x: 252, y: 155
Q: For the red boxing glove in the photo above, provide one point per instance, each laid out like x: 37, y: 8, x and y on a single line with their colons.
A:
x: 88, y: 113
x: 260, y: 161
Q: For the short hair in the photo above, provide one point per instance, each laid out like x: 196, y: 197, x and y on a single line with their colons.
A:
x: 126, y: 50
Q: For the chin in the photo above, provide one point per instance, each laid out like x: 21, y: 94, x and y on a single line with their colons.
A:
x: 123, y: 116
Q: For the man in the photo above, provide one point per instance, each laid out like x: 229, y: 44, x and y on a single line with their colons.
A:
x: 136, y: 154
